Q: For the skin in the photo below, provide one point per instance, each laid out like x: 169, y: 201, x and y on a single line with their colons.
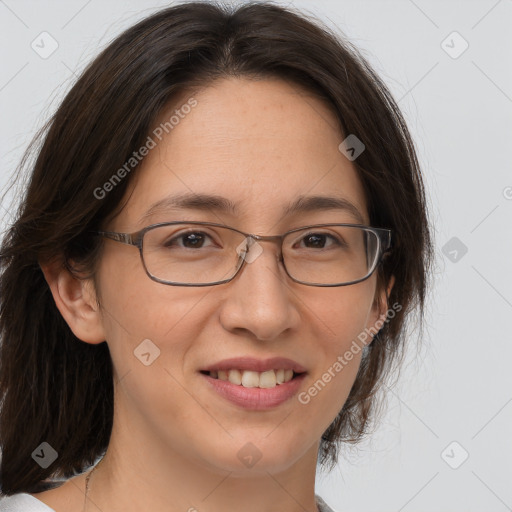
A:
x: 174, y: 443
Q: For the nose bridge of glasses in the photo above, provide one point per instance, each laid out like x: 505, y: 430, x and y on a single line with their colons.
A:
x: 267, y: 238
x: 252, y: 239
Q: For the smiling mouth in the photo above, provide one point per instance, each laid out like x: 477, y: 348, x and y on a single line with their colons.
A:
x: 252, y: 379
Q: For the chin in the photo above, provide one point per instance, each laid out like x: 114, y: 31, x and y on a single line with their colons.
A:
x: 250, y: 455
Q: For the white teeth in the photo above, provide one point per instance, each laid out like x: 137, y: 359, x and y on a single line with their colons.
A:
x: 235, y: 377
x: 268, y: 379
x: 250, y: 379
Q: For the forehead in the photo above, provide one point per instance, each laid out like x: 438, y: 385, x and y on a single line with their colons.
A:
x: 261, y: 144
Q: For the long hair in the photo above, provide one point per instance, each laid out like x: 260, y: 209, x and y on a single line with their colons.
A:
x: 57, y: 389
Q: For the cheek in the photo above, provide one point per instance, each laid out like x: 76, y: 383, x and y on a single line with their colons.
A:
x: 133, y: 303
x: 141, y: 315
x: 341, y: 314
x: 341, y: 317
x: 149, y: 329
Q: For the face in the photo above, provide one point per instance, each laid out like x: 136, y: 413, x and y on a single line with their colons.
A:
x: 261, y: 145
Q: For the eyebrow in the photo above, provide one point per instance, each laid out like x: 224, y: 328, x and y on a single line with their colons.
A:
x: 209, y: 202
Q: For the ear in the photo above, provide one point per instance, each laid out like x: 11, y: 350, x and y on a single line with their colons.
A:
x: 380, y: 305
x: 76, y: 300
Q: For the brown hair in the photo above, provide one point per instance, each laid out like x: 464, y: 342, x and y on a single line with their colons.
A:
x: 57, y: 389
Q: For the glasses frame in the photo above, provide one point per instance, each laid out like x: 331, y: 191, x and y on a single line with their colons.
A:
x: 137, y: 239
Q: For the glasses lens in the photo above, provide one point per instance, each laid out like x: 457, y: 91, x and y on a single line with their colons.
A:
x: 191, y: 253
x: 331, y: 254
x: 202, y: 254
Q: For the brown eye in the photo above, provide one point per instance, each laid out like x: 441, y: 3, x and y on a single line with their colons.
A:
x: 320, y: 241
x: 190, y: 240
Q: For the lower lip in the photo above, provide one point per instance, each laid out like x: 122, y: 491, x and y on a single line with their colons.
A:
x: 256, y: 399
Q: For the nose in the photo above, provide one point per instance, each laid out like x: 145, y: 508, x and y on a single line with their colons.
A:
x: 261, y: 298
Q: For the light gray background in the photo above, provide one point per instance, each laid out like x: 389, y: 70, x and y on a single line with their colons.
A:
x: 460, y: 113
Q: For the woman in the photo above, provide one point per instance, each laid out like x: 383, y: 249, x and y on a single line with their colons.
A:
x: 151, y: 316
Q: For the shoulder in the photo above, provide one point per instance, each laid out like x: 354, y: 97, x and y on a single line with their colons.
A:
x: 28, y: 503
x: 322, y: 506
x: 67, y: 497
x: 23, y: 503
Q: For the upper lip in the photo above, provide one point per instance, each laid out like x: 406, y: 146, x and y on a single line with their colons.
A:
x: 256, y: 365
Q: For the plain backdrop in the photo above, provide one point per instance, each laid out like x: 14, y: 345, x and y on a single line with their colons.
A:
x: 444, y: 443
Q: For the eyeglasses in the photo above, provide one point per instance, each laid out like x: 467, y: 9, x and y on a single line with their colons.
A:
x: 206, y: 254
